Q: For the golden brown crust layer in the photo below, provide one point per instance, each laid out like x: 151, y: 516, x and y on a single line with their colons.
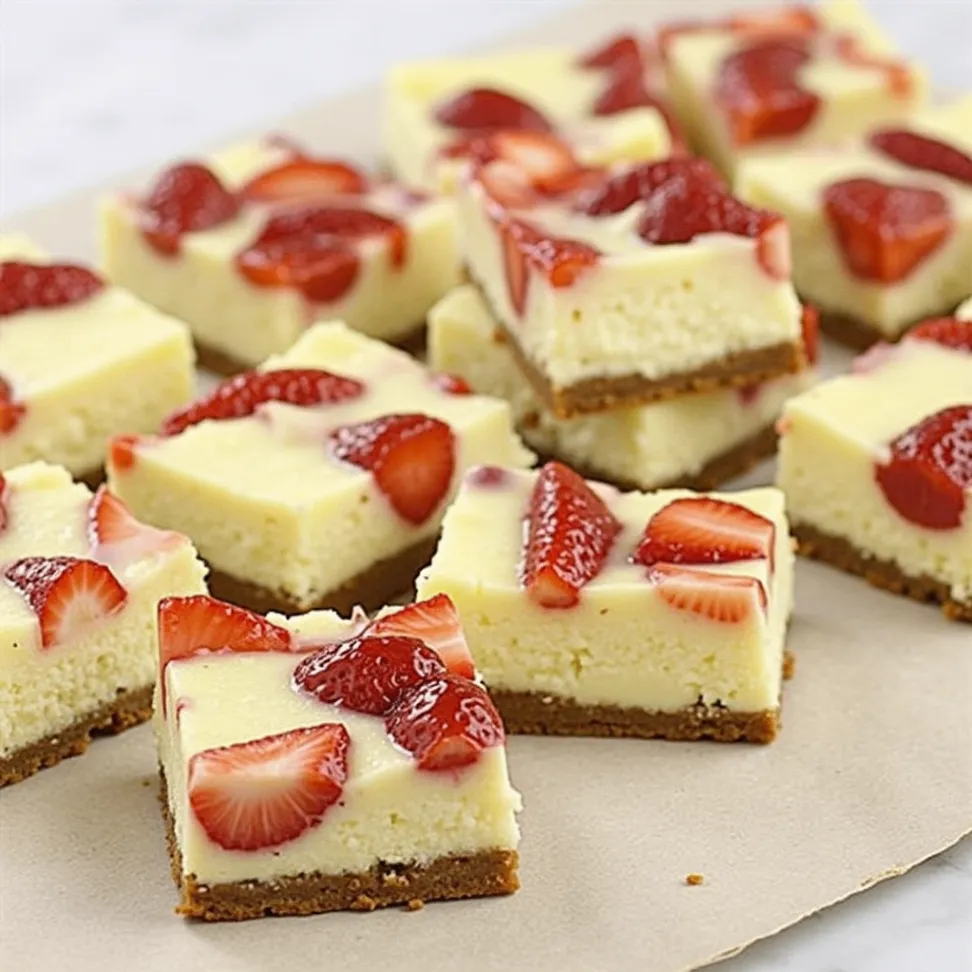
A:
x: 851, y: 331
x: 448, y: 878
x: 127, y: 709
x: 92, y: 478
x: 841, y: 553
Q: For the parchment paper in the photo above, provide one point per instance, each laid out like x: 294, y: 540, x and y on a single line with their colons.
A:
x: 870, y: 776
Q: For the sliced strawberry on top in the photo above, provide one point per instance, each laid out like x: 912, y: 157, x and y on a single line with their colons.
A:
x: 436, y: 623
x: 240, y: 396
x: 950, y: 332
x: 810, y: 329
x: 121, y: 453
x: 723, y: 598
x: 412, y: 458
x: 560, y: 260
x: 11, y: 411
x: 922, y: 152
x: 40, y: 286
x: 304, y: 178
x: 111, y: 525
x: 445, y: 723
x: 928, y: 476
x: 621, y: 55
x: 451, y: 384
x: 483, y: 109
x: 515, y: 268
x: 624, y: 92
x: 570, y: 532
x: 265, y: 792
x: 885, y: 231
x: 68, y: 595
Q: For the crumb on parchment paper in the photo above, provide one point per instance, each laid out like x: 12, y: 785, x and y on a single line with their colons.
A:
x: 693, y: 880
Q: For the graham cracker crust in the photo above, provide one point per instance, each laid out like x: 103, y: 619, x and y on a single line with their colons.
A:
x: 885, y: 574
x: 92, y: 478
x: 371, y: 589
x: 484, y: 874
x: 852, y: 332
x: 128, y: 708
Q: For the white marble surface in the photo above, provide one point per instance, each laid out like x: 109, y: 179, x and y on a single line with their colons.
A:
x: 93, y: 87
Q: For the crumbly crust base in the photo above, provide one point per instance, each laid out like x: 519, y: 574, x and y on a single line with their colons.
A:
x: 477, y: 875
x: 127, y: 709
x: 885, y: 574
x: 859, y: 335
x: 371, y: 589
x: 92, y: 478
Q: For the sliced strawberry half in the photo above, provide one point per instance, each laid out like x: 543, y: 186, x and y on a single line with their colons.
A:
x: 12, y: 412
x: 569, y: 533
x: 68, y: 595
x: 621, y: 55
x: 921, y: 152
x: 810, y: 329
x: 40, y: 286
x: 266, y: 792
x: 111, y: 525
x: 445, y: 723
x: 240, y: 396
x: 304, y: 179
x: 950, y: 332
x: 436, y: 623
x: 485, y: 109
x: 121, y: 453
x: 886, y: 231
x: 723, y: 598
x: 451, y: 384
x: 412, y: 458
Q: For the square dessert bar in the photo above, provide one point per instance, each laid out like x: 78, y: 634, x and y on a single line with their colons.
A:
x: 762, y: 82
x: 698, y: 440
x: 256, y: 243
x: 877, y: 466
x: 369, y: 768
x: 623, y: 286
x: 320, y: 479
x: 881, y: 226
x: 608, y: 103
x: 80, y: 361
x: 594, y: 612
x: 80, y: 580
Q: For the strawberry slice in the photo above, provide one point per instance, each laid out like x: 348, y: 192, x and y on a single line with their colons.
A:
x: 724, y: 598
x: 121, y: 452
x: 621, y: 55
x: 624, y: 92
x: 39, y: 286
x: 922, y: 152
x: 515, y: 267
x: 950, y: 332
x: 436, y: 623
x: 483, y: 109
x: 928, y: 475
x: 68, y: 595
x: 303, y: 179
x: 11, y: 411
x: 241, y: 395
x: 810, y: 329
x: 885, y: 231
x: 263, y: 793
x: 4, y: 517
x: 445, y: 723
x: 451, y: 384
x: 570, y: 532
x: 111, y: 525
x: 412, y: 458
x: 703, y: 530
x: 367, y: 674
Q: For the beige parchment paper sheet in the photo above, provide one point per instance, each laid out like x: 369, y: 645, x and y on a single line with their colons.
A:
x: 872, y: 774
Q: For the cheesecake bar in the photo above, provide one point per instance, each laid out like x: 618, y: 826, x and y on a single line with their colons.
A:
x: 881, y: 226
x: 762, y: 82
x: 320, y: 479
x: 369, y: 768
x: 80, y: 361
x: 253, y: 245
x: 594, y: 612
x: 877, y: 466
x: 608, y: 103
x: 80, y: 580
x: 623, y: 286
x: 698, y: 441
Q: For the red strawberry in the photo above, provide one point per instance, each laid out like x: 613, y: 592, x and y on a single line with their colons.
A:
x: 950, y: 332
x: 305, y: 178
x: 621, y: 54
x: 570, y: 532
x: 187, y: 198
x: 266, y: 792
x: 560, y: 260
x: 507, y: 185
x: 725, y: 598
x: 11, y: 411
x: 3, y: 503
x: 482, y: 109
x: 702, y: 530
x: 515, y: 267
x: 111, y: 523
x: 624, y: 92
x: 412, y: 458
x: 810, y: 327
x: 886, y: 231
x: 240, y: 396
x: 121, y: 453
x: 929, y: 473
x: 451, y: 384
x: 922, y: 152
x: 445, y: 723
x: 436, y: 623
x: 67, y: 594
x: 38, y: 286
x: 367, y: 674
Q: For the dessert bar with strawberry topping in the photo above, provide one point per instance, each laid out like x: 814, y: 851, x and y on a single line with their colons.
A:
x: 256, y: 243
x: 626, y: 285
x: 881, y: 226
x: 594, y: 612
x: 370, y: 769
x: 80, y: 580
x: 320, y: 479
x: 80, y: 361
x: 877, y: 466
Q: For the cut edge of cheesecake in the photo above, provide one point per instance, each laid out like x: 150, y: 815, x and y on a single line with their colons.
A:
x: 859, y: 335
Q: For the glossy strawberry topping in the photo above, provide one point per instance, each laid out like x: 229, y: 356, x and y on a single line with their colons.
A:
x: 886, y: 231
x: 621, y: 55
x: 240, y: 396
x: 950, y: 332
x: 11, y: 411
x: 928, y: 476
x: 486, y: 109
x: 723, y: 598
x: 304, y: 179
x: 121, y: 452
x: 451, y: 384
x: 38, y: 286
x: 921, y: 152
x: 810, y: 328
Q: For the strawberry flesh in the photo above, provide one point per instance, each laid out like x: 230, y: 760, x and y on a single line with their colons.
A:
x: 111, y: 525
x: 950, y: 332
x: 302, y: 179
x: 451, y: 384
x: 723, y: 598
x: 922, y: 152
x: 486, y: 109
x: 36, y: 286
x: 11, y: 411
x: 621, y: 55
x: 810, y: 328
x: 121, y: 453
